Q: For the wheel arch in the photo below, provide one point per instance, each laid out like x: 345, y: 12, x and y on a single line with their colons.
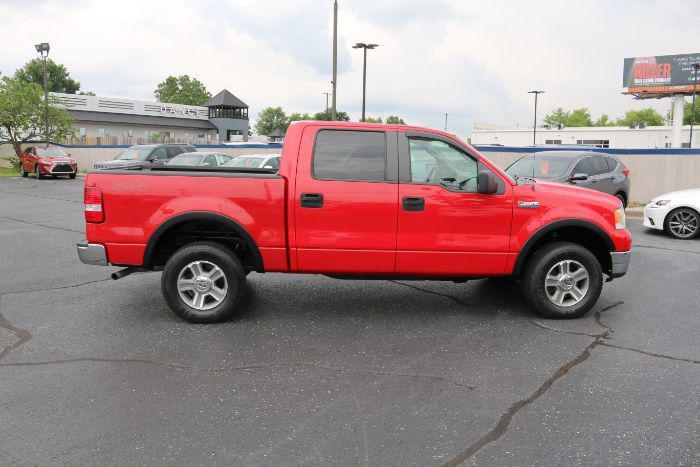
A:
x: 181, y: 222
x: 582, y: 232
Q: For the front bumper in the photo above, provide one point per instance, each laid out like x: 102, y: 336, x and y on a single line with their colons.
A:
x: 92, y: 253
x: 620, y: 263
x: 655, y: 216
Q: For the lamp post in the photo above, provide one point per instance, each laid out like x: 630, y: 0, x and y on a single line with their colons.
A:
x: 43, y: 50
x: 692, y: 106
x: 445, y: 122
x: 335, y: 58
x: 364, y: 47
x: 327, y: 94
x: 534, y: 127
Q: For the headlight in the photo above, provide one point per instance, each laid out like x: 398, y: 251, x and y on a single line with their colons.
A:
x: 662, y: 202
x: 620, y: 219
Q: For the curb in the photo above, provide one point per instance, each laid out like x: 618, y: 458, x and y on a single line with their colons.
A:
x: 634, y: 213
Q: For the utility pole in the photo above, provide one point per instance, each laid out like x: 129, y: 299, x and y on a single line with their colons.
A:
x: 362, y: 45
x: 534, y: 127
x: 692, y: 106
x: 335, y: 59
x: 327, y: 94
x: 43, y: 50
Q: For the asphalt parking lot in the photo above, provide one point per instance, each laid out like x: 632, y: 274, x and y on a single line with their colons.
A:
x: 319, y: 371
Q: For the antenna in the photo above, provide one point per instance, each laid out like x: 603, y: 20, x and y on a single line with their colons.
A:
x: 533, y: 170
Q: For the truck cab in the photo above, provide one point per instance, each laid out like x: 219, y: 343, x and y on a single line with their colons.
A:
x: 356, y: 200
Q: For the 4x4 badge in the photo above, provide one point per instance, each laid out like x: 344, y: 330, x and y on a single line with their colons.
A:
x: 529, y: 204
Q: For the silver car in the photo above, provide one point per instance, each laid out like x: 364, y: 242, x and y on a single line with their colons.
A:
x: 587, y: 169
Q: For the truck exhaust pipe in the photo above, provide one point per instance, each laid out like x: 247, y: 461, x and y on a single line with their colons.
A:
x: 124, y: 272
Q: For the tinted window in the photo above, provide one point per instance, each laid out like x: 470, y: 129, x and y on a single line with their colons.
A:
x: 437, y: 163
x: 583, y: 166
x: 599, y: 165
x: 222, y: 159
x: 612, y: 163
x: 173, y: 150
x: 159, y: 153
x: 209, y: 161
x: 350, y: 155
x: 544, y: 167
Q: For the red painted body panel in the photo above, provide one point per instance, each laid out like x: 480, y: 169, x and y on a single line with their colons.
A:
x: 361, y: 228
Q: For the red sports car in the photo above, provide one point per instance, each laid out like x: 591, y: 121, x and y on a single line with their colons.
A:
x: 46, y: 161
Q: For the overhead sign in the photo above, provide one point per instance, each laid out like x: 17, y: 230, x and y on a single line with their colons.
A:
x: 673, y: 72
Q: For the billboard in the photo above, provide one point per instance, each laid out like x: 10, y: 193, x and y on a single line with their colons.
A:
x: 672, y: 71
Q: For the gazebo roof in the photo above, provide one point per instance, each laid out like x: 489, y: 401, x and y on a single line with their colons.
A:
x: 225, y: 99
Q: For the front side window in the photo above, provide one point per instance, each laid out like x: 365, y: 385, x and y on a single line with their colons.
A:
x: 583, y: 166
x: 599, y: 165
x: 350, y: 155
x: 435, y: 162
x: 159, y: 153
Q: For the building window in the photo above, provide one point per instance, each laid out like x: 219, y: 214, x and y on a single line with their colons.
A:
x: 130, y: 133
x: 552, y: 141
x: 101, y: 132
x: 82, y: 132
x: 599, y: 143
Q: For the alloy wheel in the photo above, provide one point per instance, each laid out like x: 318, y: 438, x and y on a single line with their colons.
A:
x: 202, y: 285
x: 566, y: 283
x: 683, y: 224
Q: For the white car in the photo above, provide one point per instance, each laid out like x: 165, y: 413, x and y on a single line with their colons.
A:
x: 678, y: 213
x: 256, y: 161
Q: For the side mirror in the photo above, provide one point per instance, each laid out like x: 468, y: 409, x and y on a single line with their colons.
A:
x: 486, y: 183
x: 578, y: 177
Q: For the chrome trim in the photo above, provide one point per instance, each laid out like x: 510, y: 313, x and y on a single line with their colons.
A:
x: 92, y: 253
x: 620, y: 263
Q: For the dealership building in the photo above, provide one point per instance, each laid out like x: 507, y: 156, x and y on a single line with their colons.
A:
x: 114, y: 121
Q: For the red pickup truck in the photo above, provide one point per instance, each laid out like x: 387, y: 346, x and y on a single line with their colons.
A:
x: 355, y: 200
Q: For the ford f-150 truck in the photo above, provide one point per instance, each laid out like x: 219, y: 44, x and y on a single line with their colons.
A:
x: 355, y: 200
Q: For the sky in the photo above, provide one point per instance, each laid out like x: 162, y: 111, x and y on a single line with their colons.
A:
x: 472, y: 59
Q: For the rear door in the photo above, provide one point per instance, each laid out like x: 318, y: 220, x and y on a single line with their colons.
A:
x: 345, y: 205
x: 447, y: 228
x: 602, y: 179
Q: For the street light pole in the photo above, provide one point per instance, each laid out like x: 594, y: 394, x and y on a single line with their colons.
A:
x: 335, y: 58
x: 692, y: 106
x: 362, y: 45
x: 43, y: 49
x: 445, y: 122
x: 534, y: 127
x: 327, y: 94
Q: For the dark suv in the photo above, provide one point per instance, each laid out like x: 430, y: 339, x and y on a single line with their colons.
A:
x: 144, y: 156
x: 587, y: 169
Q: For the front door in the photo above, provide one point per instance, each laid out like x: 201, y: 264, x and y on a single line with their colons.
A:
x: 447, y: 228
x: 345, y: 201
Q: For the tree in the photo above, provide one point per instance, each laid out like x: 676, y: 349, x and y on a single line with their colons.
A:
x: 57, y: 76
x: 373, y: 120
x: 604, y: 120
x: 182, y: 90
x: 577, y: 117
x: 648, y: 116
x: 687, y: 110
x: 394, y: 120
x: 325, y: 115
x: 22, y: 114
x: 558, y: 117
x: 271, y: 119
x: 298, y: 117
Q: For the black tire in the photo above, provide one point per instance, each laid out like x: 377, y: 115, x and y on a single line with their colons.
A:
x: 693, y: 222
x: 54, y: 176
x: 540, y: 264
x: 22, y: 171
x: 71, y: 175
x: 621, y: 196
x: 221, y: 257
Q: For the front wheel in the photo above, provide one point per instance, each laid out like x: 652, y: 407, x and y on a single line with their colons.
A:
x: 562, y: 280
x: 682, y: 223
x: 71, y: 175
x: 203, y: 282
x: 37, y: 171
x: 22, y: 171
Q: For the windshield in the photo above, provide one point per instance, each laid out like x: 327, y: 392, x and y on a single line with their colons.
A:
x: 50, y: 152
x: 134, y: 153
x: 185, y: 159
x: 248, y: 162
x: 545, y: 167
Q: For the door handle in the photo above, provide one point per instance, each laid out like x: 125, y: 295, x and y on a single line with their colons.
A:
x: 311, y: 200
x: 413, y: 204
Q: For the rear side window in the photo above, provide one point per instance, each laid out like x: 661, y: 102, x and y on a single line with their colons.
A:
x: 599, y: 165
x: 612, y: 163
x: 159, y: 153
x: 350, y: 155
x: 583, y: 166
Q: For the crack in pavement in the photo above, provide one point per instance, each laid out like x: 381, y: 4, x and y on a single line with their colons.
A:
x: 368, y: 371
x: 43, y: 197
x: 23, y: 335
x: 60, y: 287
x: 443, y: 295
x: 665, y: 248
x: 650, y: 354
x: 43, y: 225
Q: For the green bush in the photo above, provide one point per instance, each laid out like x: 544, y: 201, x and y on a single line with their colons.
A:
x: 13, y: 160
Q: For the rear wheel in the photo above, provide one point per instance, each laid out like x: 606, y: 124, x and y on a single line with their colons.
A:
x: 562, y: 280
x: 71, y: 175
x: 623, y: 199
x: 203, y: 282
x: 682, y: 223
x: 37, y: 172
